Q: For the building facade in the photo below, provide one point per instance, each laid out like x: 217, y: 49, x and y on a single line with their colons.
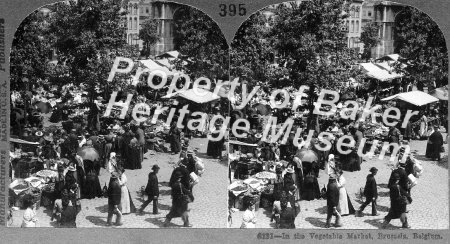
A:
x: 138, y: 11
x: 353, y: 23
x: 385, y: 14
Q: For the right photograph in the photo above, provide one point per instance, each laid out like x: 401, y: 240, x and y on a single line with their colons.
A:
x: 340, y: 118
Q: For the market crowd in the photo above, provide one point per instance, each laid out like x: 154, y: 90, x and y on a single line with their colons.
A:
x: 278, y: 176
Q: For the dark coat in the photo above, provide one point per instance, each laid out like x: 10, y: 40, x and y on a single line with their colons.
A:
x: 140, y: 136
x: 288, y: 181
x: 152, y: 188
x: 397, y: 207
x: 114, y: 192
x: 332, y: 195
x: 403, y: 182
x: 185, y: 178
x: 370, y: 190
x: 287, y: 218
x: 434, y: 145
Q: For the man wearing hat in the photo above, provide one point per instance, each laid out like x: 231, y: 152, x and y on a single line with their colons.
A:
x: 152, y: 190
x: 114, y: 195
x: 370, y: 192
x: 333, y: 202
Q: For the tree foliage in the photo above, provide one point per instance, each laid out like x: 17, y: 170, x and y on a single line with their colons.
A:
x: 370, y: 38
x: 149, y: 35
x: 89, y: 36
x: 30, y: 50
x: 251, y: 53
x: 204, y: 48
x: 421, y: 42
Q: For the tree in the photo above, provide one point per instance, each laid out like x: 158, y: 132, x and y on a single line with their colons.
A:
x: 309, y: 39
x: 250, y: 51
x: 204, y: 48
x: 30, y: 50
x: 89, y: 35
x: 370, y: 38
x: 421, y: 42
x: 148, y: 33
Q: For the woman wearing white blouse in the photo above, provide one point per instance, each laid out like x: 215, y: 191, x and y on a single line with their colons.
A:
x: 345, y: 207
x: 126, y: 203
x: 249, y: 217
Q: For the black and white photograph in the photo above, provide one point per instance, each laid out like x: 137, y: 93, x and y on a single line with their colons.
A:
x: 106, y: 129
x: 347, y: 103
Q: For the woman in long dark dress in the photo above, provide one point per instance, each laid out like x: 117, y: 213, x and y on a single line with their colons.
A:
x: 214, y: 148
x: 311, y: 189
x: 398, y: 205
x: 175, y: 138
x: 92, y: 188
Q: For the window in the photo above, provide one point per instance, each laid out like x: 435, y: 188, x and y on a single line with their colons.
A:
x: 135, y: 23
x: 357, y: 26
x: 352, y: 26
x: 130, y: 23
x: 357, y: 12
x: 147, y: 10
x: 369, y: 13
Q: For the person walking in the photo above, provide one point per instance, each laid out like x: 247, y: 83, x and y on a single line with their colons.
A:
x: 399, y: 199
x: 333, y: 202
x: 181, y: 197
x: 152, y: 190
x: 370, y: 192
x: 114, y: 194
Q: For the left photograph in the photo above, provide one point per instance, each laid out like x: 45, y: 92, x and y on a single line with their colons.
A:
x: 117, y: 117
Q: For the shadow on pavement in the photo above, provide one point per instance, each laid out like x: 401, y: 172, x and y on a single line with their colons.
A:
x: 160, y: 222
x: 102, y: 209
x: 383, y: 194
x: 317, y: 222
x: 322, y: 210
x: 164, y: 192
x: 382, y: 208
x: 163, y: 206
x: 375, y: 222
x: 96, y: 220
x: 383, y: 185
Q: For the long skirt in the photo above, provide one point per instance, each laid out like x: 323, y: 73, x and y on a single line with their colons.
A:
x: 179, y: 207
x: 214, y: 148
x: 126, y: 203
x: 345, y: 206
x: 311, y: 190
x: 92, y: 188
x: 175, y: 143
x: 396, y: 210
x: 428, y: 150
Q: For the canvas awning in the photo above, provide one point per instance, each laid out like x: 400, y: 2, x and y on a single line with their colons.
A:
x: 17, y: 140
x: 377, y: 71
x: 199, y: 96
x: 152, y: 65
x: 417, y: 98
x: 170, y: 55
x: 391, y: 57
x: 441, y: 93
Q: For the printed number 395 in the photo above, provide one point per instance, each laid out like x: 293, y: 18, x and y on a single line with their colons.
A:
x: 232, y: 10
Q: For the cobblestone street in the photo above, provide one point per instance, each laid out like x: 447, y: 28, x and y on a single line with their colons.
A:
x: 429, y: 209
x: 207, y: 211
